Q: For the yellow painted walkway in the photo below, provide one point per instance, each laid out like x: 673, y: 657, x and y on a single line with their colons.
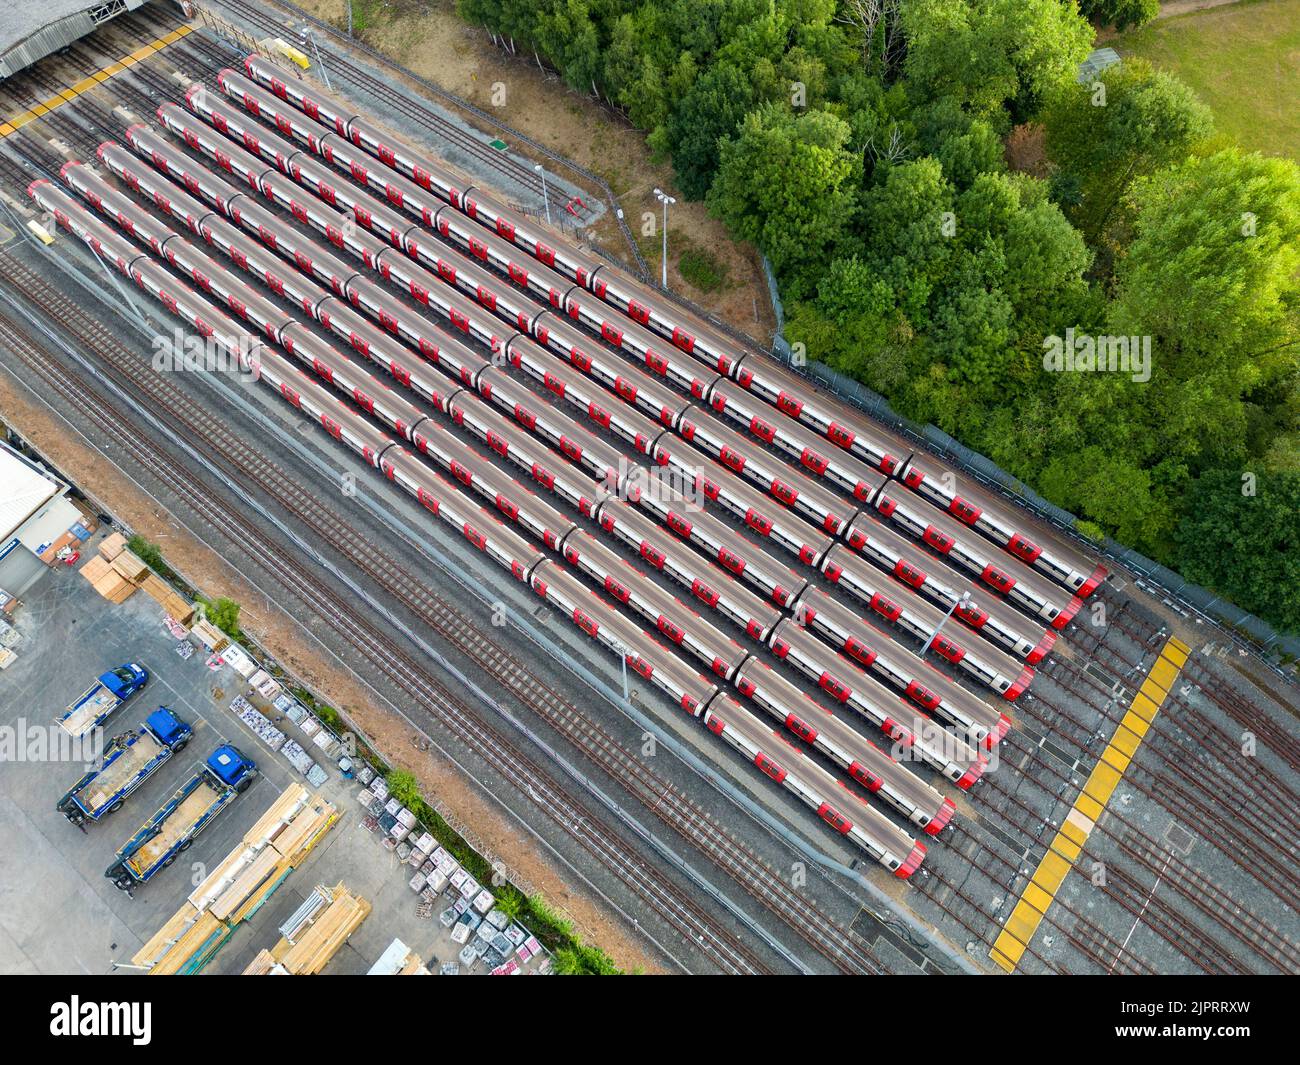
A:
x: 18, y: 121
x: 1066, y: 847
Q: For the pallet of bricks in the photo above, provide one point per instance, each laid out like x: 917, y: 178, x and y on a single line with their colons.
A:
x: 280, y: 841
x: 313, y: 935
x: 116, y: 572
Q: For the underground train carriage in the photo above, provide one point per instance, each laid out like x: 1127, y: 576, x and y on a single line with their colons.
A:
x: 1061, y: 562
x: 390, y: 458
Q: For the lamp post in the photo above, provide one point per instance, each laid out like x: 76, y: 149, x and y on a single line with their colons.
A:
x: 545, y: 199
x: 307, y: 35
x: 963, y: 602
x: 665, y: 199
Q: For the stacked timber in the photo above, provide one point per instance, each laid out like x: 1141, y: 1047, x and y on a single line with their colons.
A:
x: 112, y: 546
x: 209, y: 635
x: 107, y: 581
x: 265, y: 965
x: 116, y: 572
x: 270, y: 850
x: 329, y: 928
x: 168, y: 598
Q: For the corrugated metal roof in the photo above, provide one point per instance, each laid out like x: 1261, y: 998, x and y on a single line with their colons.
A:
x: 22, y: 492
x: 30, y: 30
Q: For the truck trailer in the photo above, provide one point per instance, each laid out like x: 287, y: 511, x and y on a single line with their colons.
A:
x: 215, y: 784
x: 129, y: 760
x: 110, y: 691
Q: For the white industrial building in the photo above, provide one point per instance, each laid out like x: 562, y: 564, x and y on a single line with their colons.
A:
x: 36, y: 518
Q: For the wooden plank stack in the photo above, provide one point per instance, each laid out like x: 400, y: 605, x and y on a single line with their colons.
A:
x: 327, y: 932
x: 209, y: 635
x: 168, y: 598
x: 115, y: 572
x: 270, y: 850
x: 107, y: 581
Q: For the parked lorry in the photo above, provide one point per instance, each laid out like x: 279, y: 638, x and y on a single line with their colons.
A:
x: 110, y: 690
x: 215, y: 784
x: 129, y: 760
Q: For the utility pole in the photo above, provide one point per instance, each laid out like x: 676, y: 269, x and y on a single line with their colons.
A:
x: 545, y: 199
x: 307, y: 35
x: 665, y: 199
x: 963, y: 602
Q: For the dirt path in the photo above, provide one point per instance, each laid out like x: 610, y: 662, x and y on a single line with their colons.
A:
x: 200, y: 564
x: 1186, y: 7
x: 431, y: 40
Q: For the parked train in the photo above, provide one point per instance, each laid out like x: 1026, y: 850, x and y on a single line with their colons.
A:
x: 793, y: 396
x: 680, y: 624
x: 634, y: 387
x: 1003, y: 627
x: 867, y: 829
x: 981, y: 615
x: 927, y: 688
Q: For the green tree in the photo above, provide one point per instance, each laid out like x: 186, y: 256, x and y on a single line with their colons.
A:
x: 1101, y: 137
x: 224, y: 614
x: 713, y: 109
x: 997, y: 57
x: 1213, y: 277
x: 787, y: 183
x: 1120, y: 13
x: 565, y: 32
x: 403, y: 787
x: 1246, y: 546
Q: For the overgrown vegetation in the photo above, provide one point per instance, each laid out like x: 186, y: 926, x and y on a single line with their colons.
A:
x: 224, y: 614
x: 861, y: 147
x: 572, y: 956
x: 701, y: 269
x: 151, y: 554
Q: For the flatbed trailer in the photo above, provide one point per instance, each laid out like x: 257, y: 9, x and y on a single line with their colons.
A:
x: 111, y: 690
x: 215, y: 785
x: 129, y: 760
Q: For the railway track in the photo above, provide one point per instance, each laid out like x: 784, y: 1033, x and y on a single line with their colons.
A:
x: 157, y: 79
x: 849, y: 952
x: 377, y: 648
x: 1263, y: 830
x: 1212, y: 901
x: 501, y: 162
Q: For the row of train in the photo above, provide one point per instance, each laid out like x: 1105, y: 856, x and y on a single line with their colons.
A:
x: 792, y: 396
x: 865, y: 827
x: 532, y: 301
x: 657, y: 519
x: 876, y: 531
x: 700, y: 552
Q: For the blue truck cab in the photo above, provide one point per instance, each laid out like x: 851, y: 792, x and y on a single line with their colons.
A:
x: 129, y: 760
x: 110, y: 691
x: 216, y: 783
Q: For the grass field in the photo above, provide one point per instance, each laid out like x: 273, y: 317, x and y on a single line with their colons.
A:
x: 1244, y: 62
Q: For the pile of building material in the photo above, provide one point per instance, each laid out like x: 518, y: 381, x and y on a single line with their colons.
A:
x: 168, y: 598
x: 278, y: 843
x: 398, y: 960
x: 210, y: 636
x: 107, y: 581
x: 116, y: 572
x: 9, y: 637
x: 313, y: 935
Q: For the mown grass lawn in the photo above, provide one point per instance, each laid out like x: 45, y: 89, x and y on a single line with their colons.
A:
x: 1244, y: 62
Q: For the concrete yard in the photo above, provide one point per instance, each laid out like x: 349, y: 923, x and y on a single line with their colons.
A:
x: 77, y: 921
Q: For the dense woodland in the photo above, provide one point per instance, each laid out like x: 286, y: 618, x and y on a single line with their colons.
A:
x: 864, y: 146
